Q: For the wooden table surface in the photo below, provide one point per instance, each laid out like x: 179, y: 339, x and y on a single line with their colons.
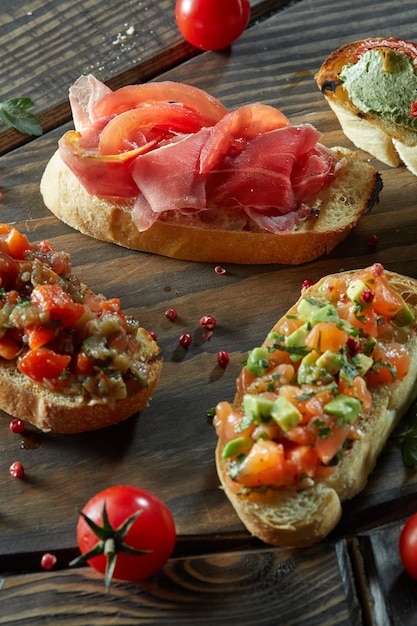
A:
x: 218, y: 573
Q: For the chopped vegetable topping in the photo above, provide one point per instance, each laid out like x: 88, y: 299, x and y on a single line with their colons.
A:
x: 301, y: 395
x: 62, y: 335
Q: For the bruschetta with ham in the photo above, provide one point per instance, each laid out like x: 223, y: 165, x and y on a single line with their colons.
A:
x: 165, y: 168
x: 70, y: 360
x: 316, y: 402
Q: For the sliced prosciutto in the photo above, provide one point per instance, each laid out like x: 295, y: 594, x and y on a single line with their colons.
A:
x: 174, y: 148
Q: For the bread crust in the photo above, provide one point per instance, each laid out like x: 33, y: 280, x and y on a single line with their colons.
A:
x: 299, y: 518
x: 353, y: 193
x: 66, y: 414
x: 387, y: 141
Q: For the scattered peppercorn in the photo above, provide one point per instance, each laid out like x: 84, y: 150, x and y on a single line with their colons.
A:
x: 219, y: 270
x: 306, y: 284
x: 223, y: 358
x: 185, y: 340
x: 372, y: 241
x: 171, y: 314
x: 152, y: 334
x: 48, y: 561
x: 208, y: 322
x: 16, y: 470
x: 367, y: 296
x: 17, y: 426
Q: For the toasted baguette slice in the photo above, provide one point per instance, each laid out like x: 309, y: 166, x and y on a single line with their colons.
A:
x: 387, y: 141
x: 299, y: 518
x: 354, y: 192
x: 66, y: 414
x: 71, y: 360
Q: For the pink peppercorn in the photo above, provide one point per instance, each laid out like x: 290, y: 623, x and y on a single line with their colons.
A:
x: 171, y: 314
x: 185, y: 340
x: 48, y: 561
x: 17, y: 426
x: 223, y: 358
x: 306, y: 284
x: 16, y: 470
x: 208, y: 322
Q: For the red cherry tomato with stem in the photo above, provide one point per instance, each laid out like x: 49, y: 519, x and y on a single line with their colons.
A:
x: 212, y: 24
x: 408, y: 546
x: 125, y: 533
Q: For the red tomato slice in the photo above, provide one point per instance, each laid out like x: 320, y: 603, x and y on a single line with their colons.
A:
x: 100, y: 175
x: 327, y: 447
x: 132, y: 96
x: 407, y: 47
x: 243, y: 123
x: 127, y: 131
x: 43, y: 364
x: 53, y: 299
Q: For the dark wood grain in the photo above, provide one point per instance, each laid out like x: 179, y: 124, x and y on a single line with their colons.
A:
x: 45, y: 46
x: 265, y: 588
x: 353, y: 578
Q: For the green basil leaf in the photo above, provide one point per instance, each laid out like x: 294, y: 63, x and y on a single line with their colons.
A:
x: 15, y: 113
x: 410, y: 452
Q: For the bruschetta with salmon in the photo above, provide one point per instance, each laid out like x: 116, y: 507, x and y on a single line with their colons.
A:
x: 316, y: 402
x: 165, y: 168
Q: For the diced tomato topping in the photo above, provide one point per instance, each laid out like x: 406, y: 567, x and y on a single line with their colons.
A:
x: 84, y: 364
x: 113, y: 306
x: 43, y: 364
x: 54, y: 300
x: 9, y: 270
x: 14, y: 243
x: 39, y: 335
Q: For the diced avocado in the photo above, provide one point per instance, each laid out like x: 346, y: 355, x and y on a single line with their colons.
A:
x: 345, y: 407
x: 258, y: 408
x: 330, y: 361
x: 355, y: 289
x: 326, y: 313
x: 404, y: 316
x: 258, y: 361
x: 237, y: 446
x: 306, y: 307
x: 285, y: 413
x: 309, y: 372
x: 362, y: 363
x: 296, y: 342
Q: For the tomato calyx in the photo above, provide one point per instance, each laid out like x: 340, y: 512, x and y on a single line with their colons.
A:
x: 110, y: 543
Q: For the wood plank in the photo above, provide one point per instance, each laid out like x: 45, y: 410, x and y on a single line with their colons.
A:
x: 158, y: 448
x: 388, y: 591
x: 45, y: 46
x: 245, y: 588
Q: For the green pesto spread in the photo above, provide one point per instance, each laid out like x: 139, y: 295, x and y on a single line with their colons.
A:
x: 383, y: 82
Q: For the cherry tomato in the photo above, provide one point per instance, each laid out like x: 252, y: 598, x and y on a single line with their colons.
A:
x: 408, y: 546
x: 133, y: 519
x: 212, y: 24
